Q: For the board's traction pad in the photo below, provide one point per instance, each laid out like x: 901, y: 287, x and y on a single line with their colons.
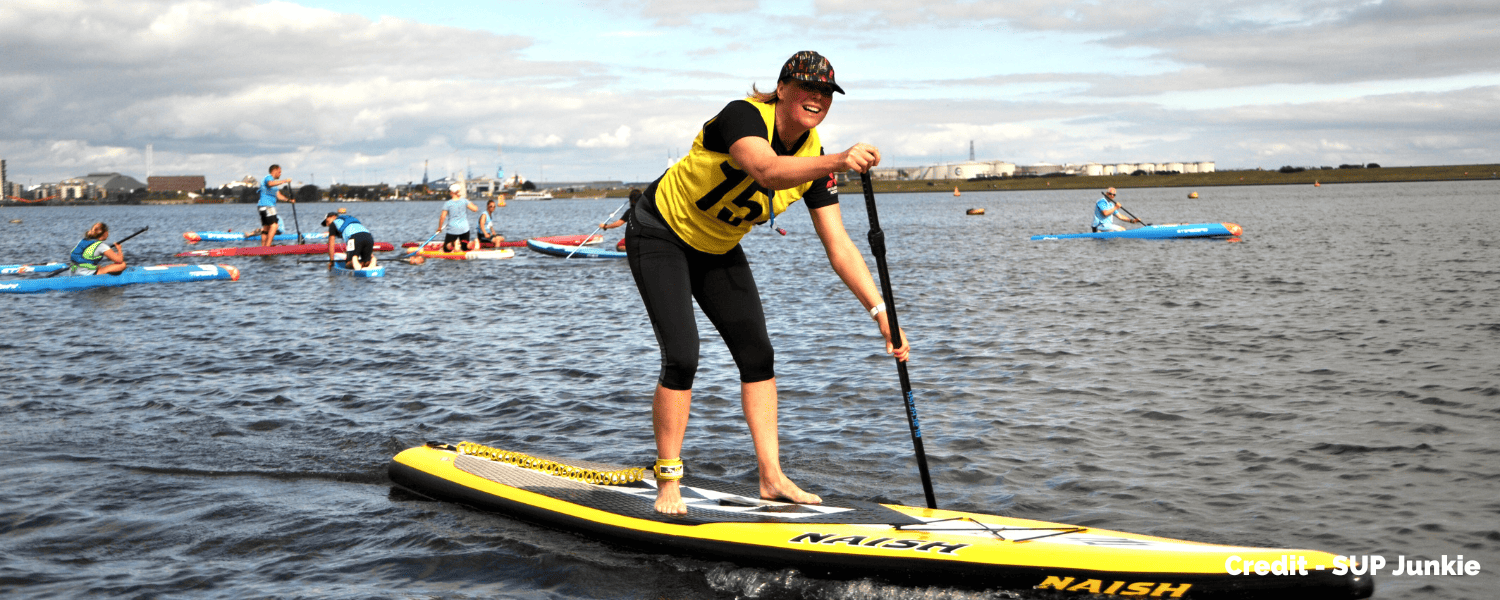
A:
x: 708, y: 501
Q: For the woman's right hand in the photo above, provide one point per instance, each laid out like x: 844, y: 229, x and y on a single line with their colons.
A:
x: 860, y: 157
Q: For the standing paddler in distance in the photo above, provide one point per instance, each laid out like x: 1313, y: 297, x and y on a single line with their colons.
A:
x: 267, y: 204
x: 1104, y: 213
x: 92, y: 250
x: 635, y: 198
x: 487, y: 233
x: 752, y: 160
x: 453, y: 223
x: 359, y: 246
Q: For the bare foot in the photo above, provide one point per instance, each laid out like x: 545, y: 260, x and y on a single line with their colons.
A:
x: 786, y: 491
x: 669, y: 498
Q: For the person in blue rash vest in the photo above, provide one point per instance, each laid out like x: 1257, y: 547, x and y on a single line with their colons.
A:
x: 359, y: 249
x: 267, y: 204
x: 454, y: 223
x: 92, y: 250
x: 1104, y: 211
x: 487, y: 233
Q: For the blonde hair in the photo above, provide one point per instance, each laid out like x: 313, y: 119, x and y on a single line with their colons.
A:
x: 763, y: 97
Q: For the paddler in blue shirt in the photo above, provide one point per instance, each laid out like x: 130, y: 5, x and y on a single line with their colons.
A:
x: 92, y: 250
x: 487, y: 233
x: 1104, y: 211
x: 267, y: 204
x: 359, y: 249
x: 454, y: 223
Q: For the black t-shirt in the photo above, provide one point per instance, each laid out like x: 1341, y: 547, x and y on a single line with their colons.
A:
x: 740, y: 119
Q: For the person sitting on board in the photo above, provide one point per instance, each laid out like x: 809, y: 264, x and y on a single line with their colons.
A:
x: 92, y: 250
x: 635, y: 196
x: 359, y: 248
x: 1104, y: 211
x: 756, y: 157
x: 487, y: 233
x: 454, y: 223
x: 267, y: 203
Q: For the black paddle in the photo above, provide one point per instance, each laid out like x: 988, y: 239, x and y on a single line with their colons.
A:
x: 116, y: 244
x: 1122, y: 209
x: 877, y: 247
x: 294, y: 220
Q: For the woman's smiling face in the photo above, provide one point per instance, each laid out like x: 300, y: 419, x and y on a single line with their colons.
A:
x: 805, y: 103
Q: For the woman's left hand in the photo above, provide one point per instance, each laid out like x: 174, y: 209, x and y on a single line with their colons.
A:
x: 885, y: 330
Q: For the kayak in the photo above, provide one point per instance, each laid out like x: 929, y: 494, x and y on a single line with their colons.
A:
x: 24, y: 269
x: 574, y: 251
x: 273, y: 250
x: 845, y: 538
x: 470, y: 255
x: 155, y: 274
x: 1156, y: 232
x: 340, y: 269
x: 572, y: 240
x: 194, y: 237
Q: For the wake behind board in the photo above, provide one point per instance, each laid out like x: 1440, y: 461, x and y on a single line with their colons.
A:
x: 1156, y: 232
x: 844, y: 538
x: 573, y: 251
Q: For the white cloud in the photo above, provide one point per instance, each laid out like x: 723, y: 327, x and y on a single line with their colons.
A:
x: 619, y: 139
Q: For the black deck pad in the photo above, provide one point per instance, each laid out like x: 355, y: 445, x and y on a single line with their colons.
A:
x: 708, y: 501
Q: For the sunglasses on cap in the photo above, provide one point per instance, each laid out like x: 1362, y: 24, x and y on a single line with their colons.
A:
x: 816, y: 87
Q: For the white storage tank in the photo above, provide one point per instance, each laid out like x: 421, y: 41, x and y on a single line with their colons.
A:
x: 1189, y: 167
x: 1125, y: 168
x: 969, y: 170
x: 1003, y: 169
x: 1206, y: 167
x: 1090, y: 169
x: 1171, y: 167
x: 1109, y: 170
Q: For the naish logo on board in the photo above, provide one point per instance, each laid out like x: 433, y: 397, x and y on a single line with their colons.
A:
x: 1116, y: 588
x: 866, y: 541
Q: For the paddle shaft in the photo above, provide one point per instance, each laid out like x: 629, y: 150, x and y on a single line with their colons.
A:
x: 1122, y: 209
x: 116, y: 244
x: 877, y: 247
x: 414, y: 251
x: 596, y: 230
x: 295, y: 221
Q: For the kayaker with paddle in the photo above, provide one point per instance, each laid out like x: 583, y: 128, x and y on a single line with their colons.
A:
x: 635, y: 197
x: 1104, y: 212
x: 752, y: 160
x: 267, y: 204
x: 487, y: 233
x: 92, y: 250
x: 359, y: 249
x: 454, y: 223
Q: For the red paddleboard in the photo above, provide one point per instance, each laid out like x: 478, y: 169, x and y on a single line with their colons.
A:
x: 272, y: 250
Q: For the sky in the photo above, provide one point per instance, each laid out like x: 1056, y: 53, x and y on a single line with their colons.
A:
x: 370, y: 91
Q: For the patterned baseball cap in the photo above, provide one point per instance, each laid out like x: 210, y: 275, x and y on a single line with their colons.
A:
x: 809, y: 66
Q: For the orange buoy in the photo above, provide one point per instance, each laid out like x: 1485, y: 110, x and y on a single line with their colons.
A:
x: 1193, y: 195
x: 955, y: 191
x: 1316, y: 184
x: 974, y: 211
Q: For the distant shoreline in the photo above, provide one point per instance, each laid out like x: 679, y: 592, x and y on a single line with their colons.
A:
x: 1082, y: 182
x: 1189, y: 180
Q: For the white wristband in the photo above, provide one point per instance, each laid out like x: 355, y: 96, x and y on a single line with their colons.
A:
x: 876, y: 310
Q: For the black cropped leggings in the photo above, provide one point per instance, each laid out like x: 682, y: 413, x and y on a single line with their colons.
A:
x: 671, y: 274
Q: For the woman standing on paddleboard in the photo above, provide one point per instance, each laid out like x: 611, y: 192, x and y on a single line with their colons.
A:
x: 749, y: 163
